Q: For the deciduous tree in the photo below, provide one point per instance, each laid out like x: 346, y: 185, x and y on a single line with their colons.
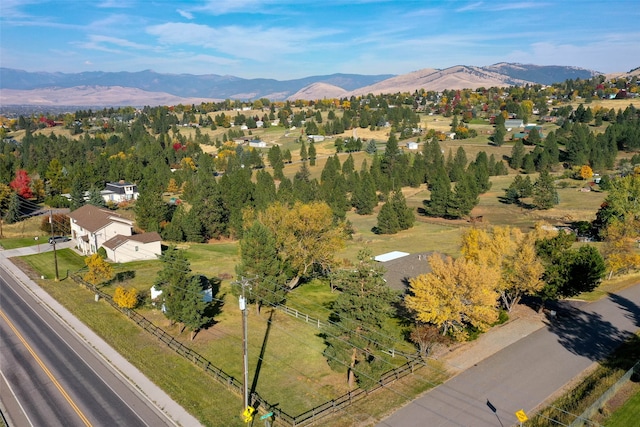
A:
x: 307, y: 237
x: 22, y: 184
x: 99, y: 270
x: 455, y: 295
x: 126, y: 298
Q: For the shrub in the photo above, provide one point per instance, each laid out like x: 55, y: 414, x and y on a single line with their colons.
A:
x: 126, y: 298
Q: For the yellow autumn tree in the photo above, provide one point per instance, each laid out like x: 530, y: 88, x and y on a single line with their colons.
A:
x: 456, y: 294
x: 307, y: 236
x: 513, y: 254
x: 172, y: 187
x: 620, y: 245
x: 126, y: 298
x: 586, y: 172
x: 99, y: 269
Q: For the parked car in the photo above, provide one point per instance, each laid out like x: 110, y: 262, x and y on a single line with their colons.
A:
x: 58, y: 239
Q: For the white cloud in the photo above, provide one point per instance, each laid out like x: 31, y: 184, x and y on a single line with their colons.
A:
x: 222, y: 7
x: 260, y: 44
x: 115, y: 4
x: 185, y: 14
x: 470, y: 6
x: 610, y: 53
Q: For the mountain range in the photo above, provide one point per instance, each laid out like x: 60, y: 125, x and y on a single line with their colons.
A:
x: 18, y: 87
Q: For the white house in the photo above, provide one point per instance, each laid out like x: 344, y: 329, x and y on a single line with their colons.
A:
x: 116, y: 192
x: 138, y: 247
x: 93, y: 228
x: 412, y: 145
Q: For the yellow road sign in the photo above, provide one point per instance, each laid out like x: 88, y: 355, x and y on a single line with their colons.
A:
x: 522, y: 417
x: 247, y: 414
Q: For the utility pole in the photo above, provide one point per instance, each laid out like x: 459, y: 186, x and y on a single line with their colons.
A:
x: 53, y: 241
x: 244, y: 282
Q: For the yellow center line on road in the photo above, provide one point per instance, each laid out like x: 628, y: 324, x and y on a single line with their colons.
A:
x: 46, y: 371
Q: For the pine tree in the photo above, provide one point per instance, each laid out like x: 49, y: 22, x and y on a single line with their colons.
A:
x: 545, y: 195
x: 387, y: 220
x: 77, y: 194
x: 440, y: 187
x: 359, y: 314
x: 364, y: 197
x: 405, y: 215
x: 13, y: 209
x: 95, y: 198
x: 312, y: 154
x: 517, y: 155
x: 463, y: 199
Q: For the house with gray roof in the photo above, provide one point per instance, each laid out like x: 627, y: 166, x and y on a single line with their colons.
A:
x: 400, y: 267
x: 121, y: 191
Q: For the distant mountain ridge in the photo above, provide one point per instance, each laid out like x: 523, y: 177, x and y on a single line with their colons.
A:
x: 148, y: 87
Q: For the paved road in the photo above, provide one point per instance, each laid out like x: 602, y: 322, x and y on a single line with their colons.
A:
x: 54, y: 378
x: 524, y: 374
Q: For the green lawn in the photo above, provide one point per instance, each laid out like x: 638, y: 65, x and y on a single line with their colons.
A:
x: 286, y: 362
x: 627, y: 415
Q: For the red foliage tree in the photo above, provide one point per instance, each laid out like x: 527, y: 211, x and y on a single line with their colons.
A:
x: 22, y: 184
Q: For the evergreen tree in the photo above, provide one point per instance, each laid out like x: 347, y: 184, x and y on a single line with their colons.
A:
x: 260, y: 261
x: 387, y: 220
x: 364, y: 197
x: 95, y: 198
x: 276, y: 160
x: 194, y: 315
x: 440, y: 188
x: 463, y: 199
x: 304, y: 155
x: 150, y: 209
x: 551, y: 148
x: 534, y: 137
x: 405, y: 215
x: 358, y: 317
x: 499, y: 134
x: 480, y: 171
x: 458, y: 165
x: 528, y: 165
x: 266, y: 192
x: 545, y: 195
x: 77, y: 194
x: 517, y: 155
x: 173, y: 279
x: 13, y: 209
x: 312, y: 154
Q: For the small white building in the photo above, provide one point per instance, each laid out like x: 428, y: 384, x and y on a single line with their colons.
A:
x: 257, y: 143
x: 412, y: 145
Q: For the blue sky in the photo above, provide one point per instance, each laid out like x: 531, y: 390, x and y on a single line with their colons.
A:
x: 286, y: 39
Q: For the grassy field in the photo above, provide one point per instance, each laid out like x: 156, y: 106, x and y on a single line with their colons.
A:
x: 286, y: 362
x: 627, y: 415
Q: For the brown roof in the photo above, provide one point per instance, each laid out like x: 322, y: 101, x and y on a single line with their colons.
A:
x: 93, y: 218
x: 119, y: 239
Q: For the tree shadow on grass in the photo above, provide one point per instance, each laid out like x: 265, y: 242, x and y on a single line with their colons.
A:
x: 584, y: 333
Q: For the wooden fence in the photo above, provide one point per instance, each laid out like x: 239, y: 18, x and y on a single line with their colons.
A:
x: 281, y: 417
